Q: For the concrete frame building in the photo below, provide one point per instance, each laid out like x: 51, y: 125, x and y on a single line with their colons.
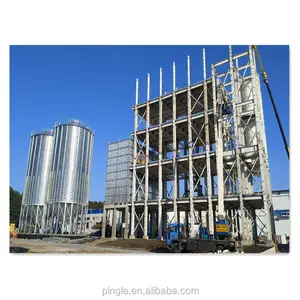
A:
x: 202, y: 150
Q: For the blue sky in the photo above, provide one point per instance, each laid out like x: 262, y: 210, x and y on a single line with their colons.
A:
x: 96, y: 84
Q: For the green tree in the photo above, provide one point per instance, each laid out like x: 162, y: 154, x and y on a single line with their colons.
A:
x: 95, y: 205
x: 15, y: 201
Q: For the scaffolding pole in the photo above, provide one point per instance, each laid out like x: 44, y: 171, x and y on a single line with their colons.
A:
x: 147, y: 161
x: 237, y: 144
x: 190, y: 141
x: 160, y: 187
x: 175, y: 188
x: 133, y: 197
x: 207, y: 150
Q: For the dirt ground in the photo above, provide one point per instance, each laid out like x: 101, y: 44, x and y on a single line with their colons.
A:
x: 148, y: 245
x: 65, y: 245
x: 57, y: 246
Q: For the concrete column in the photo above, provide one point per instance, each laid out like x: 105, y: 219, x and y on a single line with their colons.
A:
x: 236, y: 226
x: 214, y: 219
x: 152, y: 224
x: 145, y: 235
x: 160, y: 185
x: 146, y: 220
x: 190, y: 145
x: 133, y: 196
x: 254, y: 226
x: 103, y: 223
x: 178, y: 187
x: 200, y: 217
x: 262, y: 147
x: 132, y: 220
x: 126, y: 219
x: 249, y: 226
x: 246, y: 227
x: 175, y: 180
x: 243, y: 183
x: 165, y: 221
x: 207, y: 220
x: 219, y: 146
x: 236, y: 99
x: 238, y: 222
x: 232, y: 229
x: 242, y: 223
x: 186, y: 223
x: 114, y: 226
x: 178, y: 216
x: 159, y: 221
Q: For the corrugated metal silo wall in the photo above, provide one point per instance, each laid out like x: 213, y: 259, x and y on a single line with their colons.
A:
x: 38, y: 167
x: 71, y: 165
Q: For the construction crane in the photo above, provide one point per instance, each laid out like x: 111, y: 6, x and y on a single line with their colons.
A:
x: 266, y: 81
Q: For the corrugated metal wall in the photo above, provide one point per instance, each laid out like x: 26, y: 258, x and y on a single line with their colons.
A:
x: 71, y: 166
x: 118, y: 175
x: 38, y: 167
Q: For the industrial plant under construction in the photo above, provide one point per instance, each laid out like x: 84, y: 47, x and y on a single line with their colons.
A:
x: 198, y: 154
x: 195, y: 171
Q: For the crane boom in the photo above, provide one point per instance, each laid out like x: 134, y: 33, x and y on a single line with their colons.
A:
x: 266, y: 81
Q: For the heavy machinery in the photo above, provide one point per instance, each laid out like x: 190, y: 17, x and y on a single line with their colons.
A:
x: 12, y: 227
x: 12, y: 230
x: 177, y: 241
x: 266, y: 81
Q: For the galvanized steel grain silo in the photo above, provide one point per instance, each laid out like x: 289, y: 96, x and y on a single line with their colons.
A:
x: 36, y: 182
x: 69, y: 182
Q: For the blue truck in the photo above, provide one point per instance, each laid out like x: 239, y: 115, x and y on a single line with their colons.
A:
x: 177, y: 240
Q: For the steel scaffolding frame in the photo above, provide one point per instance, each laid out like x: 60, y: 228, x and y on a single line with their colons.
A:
x: 31, y: 218
x: 205, y: 146
x: 65, y: 218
